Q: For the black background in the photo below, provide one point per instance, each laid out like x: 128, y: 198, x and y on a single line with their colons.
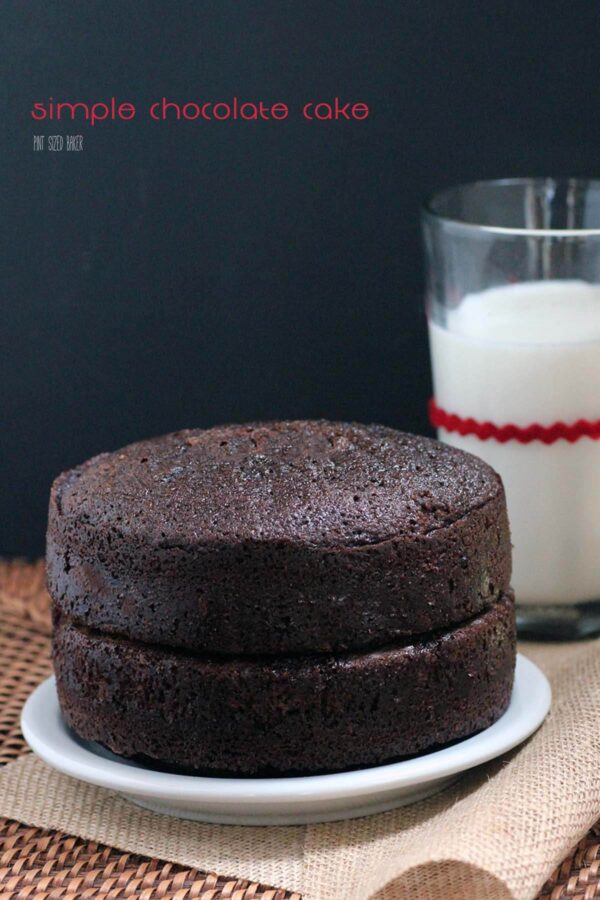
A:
x: 181, y: 274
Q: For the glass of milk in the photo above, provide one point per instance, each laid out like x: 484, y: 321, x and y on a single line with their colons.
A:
x: 513, y: 304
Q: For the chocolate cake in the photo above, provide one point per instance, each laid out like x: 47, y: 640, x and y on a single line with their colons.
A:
x: 282, y: 597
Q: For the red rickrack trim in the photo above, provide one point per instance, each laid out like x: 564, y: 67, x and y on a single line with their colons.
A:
x: 547, y: 434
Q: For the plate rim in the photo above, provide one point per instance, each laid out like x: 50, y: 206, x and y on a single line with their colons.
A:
x: 59, y: 748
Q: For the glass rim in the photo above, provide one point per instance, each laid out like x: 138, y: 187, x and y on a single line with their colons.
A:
x: 428, y: 207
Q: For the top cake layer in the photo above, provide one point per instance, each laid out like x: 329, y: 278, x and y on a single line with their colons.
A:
x: 278, y: 537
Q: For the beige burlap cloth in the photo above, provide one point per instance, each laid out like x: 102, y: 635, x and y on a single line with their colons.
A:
x: 497, y: 833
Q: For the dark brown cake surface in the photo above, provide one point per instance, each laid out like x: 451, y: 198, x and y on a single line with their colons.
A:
x: 276, y: 538
x: 302, y: 714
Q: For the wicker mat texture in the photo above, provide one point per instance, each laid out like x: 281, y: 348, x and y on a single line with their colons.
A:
x: 45, y: 863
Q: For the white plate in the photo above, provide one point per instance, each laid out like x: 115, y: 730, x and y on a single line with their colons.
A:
x: 283, y: 801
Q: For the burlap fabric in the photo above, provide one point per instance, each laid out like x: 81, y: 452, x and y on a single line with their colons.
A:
x: 497, y: 833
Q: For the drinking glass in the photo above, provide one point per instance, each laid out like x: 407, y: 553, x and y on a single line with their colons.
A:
x: 513, y: 305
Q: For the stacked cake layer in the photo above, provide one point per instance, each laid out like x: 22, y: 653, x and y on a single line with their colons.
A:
x: 294, y: 596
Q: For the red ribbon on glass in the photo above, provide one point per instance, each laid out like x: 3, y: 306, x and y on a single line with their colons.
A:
x: 485, y: 431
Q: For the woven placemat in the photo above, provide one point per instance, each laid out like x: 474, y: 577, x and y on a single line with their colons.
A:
x: 43, y: 863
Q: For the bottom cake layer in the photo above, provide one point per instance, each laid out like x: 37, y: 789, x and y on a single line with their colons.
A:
x: 294, y: 715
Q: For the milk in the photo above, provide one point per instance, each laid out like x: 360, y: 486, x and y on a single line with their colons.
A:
x: 520, y: 354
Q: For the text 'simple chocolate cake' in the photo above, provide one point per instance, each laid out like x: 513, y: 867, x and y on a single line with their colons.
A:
x: 282, y: 597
